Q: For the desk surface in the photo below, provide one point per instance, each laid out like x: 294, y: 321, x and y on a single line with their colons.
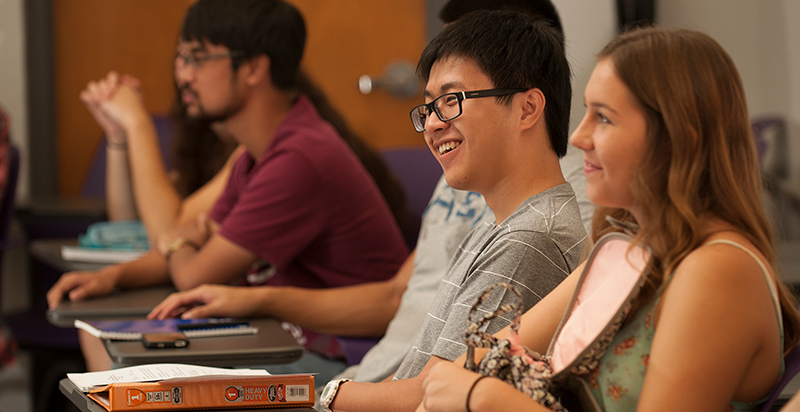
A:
x: 86, y: 404
x: 64, y: 207
x: 134, y: 303
x: 271, y: 345
x: 49, y: 252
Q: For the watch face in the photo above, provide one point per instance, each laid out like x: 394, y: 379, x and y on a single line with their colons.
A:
x: 327, y: 393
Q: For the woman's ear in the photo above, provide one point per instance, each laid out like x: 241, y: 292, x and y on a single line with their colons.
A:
x: 533, y: 103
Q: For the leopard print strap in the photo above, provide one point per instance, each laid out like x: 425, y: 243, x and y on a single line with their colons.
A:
x: 477, y: 338
x: 529, y: 373
x: 474, y: 337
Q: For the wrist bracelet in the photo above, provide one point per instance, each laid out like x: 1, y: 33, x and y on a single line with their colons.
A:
x: 469, y: 394
x: 116, y: 145
x: 179, y: 244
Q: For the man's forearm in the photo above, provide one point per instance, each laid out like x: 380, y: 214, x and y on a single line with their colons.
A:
x: 388, y: 396
x: 391, y: 396
x: 120, y: 203
x: 179, y: 270
x: 363, y: 310
x: 148, y: 270
x: 360, y: 310
x: 213, y: 260
x: 157, y: 201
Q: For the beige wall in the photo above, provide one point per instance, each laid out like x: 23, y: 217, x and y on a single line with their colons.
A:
x: 12, y: 77
x: 763, y: 38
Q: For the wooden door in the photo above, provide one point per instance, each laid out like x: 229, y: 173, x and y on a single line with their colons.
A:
x: 346, y: 38
x: 92, y: 37
x: 349, y: 38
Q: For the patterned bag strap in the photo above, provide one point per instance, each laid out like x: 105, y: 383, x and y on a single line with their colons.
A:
x: 507, y: 359
x: 474, y: 337
x: 583, y: 354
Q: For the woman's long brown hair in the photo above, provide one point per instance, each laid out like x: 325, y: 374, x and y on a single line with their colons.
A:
x: 701, y: 160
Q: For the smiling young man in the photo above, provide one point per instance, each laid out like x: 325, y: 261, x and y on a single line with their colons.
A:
x: 298, y: 197
x: 496, y: 115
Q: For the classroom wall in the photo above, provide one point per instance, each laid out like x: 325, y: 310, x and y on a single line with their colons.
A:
x: 12, y: 77
x: 588, y: 26
x: 763, y: 39
x: 793, y: 87
x: 759, y: 35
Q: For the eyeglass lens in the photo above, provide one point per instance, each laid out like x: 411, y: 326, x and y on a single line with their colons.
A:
x: 195, y: 61
x: 446, y: 106
x: 187, y: 59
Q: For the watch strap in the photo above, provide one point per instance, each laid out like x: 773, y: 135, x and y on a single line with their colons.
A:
x: 329, y: 393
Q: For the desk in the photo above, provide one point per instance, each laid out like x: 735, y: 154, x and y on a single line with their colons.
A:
x: 59, y: 217
x: 271, y: 345
x: 86, y: 404
x: 134, y: 303
x: 48, y: 251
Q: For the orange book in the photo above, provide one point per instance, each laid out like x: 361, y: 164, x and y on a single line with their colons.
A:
x: 209, y: 392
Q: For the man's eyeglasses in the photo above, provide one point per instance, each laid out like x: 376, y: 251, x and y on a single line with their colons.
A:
x: 196, y: 61
x: 448, y: 106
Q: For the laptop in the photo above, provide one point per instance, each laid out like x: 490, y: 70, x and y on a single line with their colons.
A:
x: 128, y: 304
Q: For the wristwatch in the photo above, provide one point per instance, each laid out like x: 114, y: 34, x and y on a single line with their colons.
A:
x: 329, y: 393
x: 179, y: 244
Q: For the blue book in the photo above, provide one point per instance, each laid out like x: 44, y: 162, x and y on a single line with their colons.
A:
x: 191, y: 328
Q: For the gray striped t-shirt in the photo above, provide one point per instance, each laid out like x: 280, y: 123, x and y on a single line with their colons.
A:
x: 534, y: 249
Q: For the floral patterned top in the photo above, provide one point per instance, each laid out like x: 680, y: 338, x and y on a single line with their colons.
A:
x: 617, y: 381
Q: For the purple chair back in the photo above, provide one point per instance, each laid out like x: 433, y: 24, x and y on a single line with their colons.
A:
x: 94, y: 184
x: 418, y: 172
x: 769, y: 134
x: 9, y: 195
x: 792, y: 362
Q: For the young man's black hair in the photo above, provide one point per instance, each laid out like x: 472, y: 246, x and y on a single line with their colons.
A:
x: 455, y: 9
x: 253, y: 27
x: 518, y: 64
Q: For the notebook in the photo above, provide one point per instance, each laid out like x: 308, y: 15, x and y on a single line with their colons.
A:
x: 88, y: 381
x: 191, y: 328
x: 99, y: 255
x: 272, y: 345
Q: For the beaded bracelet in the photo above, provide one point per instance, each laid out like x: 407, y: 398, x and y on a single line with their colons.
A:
x: 469, y: 394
